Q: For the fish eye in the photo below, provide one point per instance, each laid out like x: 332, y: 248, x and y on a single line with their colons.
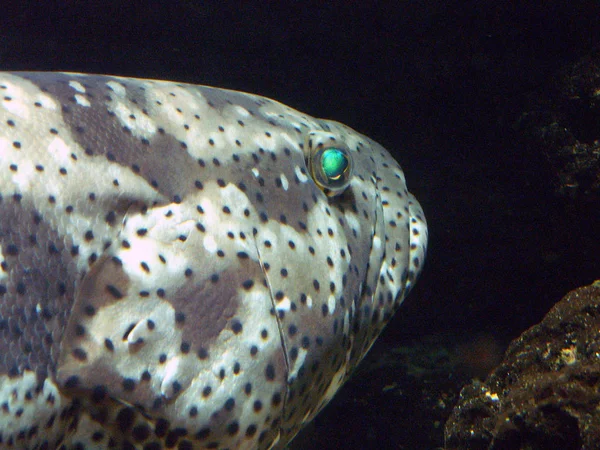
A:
x: 330, y: 163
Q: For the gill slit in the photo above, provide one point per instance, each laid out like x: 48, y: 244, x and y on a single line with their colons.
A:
x: 281, y: 334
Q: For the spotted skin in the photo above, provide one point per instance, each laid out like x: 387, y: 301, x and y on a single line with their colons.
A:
x: 171, y: 276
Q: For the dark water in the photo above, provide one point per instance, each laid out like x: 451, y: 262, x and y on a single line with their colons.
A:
x: 441, y: 84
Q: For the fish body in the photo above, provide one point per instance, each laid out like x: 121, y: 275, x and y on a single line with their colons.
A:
x: 184, y: 266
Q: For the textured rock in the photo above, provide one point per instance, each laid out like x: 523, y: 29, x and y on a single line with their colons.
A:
x: 562, y: 125
x: 546, y: 392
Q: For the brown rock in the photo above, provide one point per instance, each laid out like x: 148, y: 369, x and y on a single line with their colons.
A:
x: 561, y: 123
x: 546, y: 392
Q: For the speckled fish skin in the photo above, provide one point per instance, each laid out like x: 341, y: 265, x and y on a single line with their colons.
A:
x: 172, y: 276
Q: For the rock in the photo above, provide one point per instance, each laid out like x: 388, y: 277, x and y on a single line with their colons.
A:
x: 561, y: 123
x: 546, y: 392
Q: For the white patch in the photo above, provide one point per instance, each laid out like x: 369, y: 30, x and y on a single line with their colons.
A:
x: 82, y: 101
x: 331, y: 303
x: 284, y: 305
x: 297, y: 364
x: 5, y: 147
x: 24, y: 177
x: 291, y: 142
x: 284, y: 182
x: 255, y: 172
x: 77, y: 86
x: 241, y: 111
x: 171, y: 370
x: 16, y: 107
x: 117, y: 88
x: 23, y: 95
x: 352, y: 221
x: 376, y: 242
x: 210, y: 244
x: 302, y: 177
x: 60, y: 150
x: 34, y: 411
x: 141, y: 126
x: 309, y: 302
x: 210, y: 216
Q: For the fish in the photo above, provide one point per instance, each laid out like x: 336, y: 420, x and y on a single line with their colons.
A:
x: 184, y: 266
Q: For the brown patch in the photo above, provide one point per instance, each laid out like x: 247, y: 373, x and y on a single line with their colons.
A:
x: 214, y: 304
x: 161, y: 161
x: 37, y: 294
x: 94, y: 292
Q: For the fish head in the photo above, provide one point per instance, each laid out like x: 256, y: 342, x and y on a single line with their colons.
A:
x: 235, y: 258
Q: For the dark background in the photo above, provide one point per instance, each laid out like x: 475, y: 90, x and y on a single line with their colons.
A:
x: 441, y: 84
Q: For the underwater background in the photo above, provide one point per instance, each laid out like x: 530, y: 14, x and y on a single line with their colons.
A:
x: 467, y: 96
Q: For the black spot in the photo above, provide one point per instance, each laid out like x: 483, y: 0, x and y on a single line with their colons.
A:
x: 202, y: 353
x: 98, y: 394
x: 109, y: 345
x: 203, y: 434
x: 236, y: 326
x: 110, y: 218
x: 229, y: 404
x: 125, y: 419
x: 140, y: 432
x: 128, y: 384
x: 79, y: 354
x: 161, y: 427
x: 233, y: 428
x: 276, y: 399
x: 72, y: 382
x: 176, y: 387
x: 112, y: 290
x: 270, y: 372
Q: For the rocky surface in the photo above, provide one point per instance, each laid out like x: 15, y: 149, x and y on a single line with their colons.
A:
x: 562, y: 123
x: 546, y: 392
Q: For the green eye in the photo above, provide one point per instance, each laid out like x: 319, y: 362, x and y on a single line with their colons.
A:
x: 329, y: 161
x: 334, y: 163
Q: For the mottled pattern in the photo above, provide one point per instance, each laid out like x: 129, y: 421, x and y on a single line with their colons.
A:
x: 171, y: 276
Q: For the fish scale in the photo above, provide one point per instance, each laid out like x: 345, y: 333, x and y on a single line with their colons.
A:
x: 178, y: 269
